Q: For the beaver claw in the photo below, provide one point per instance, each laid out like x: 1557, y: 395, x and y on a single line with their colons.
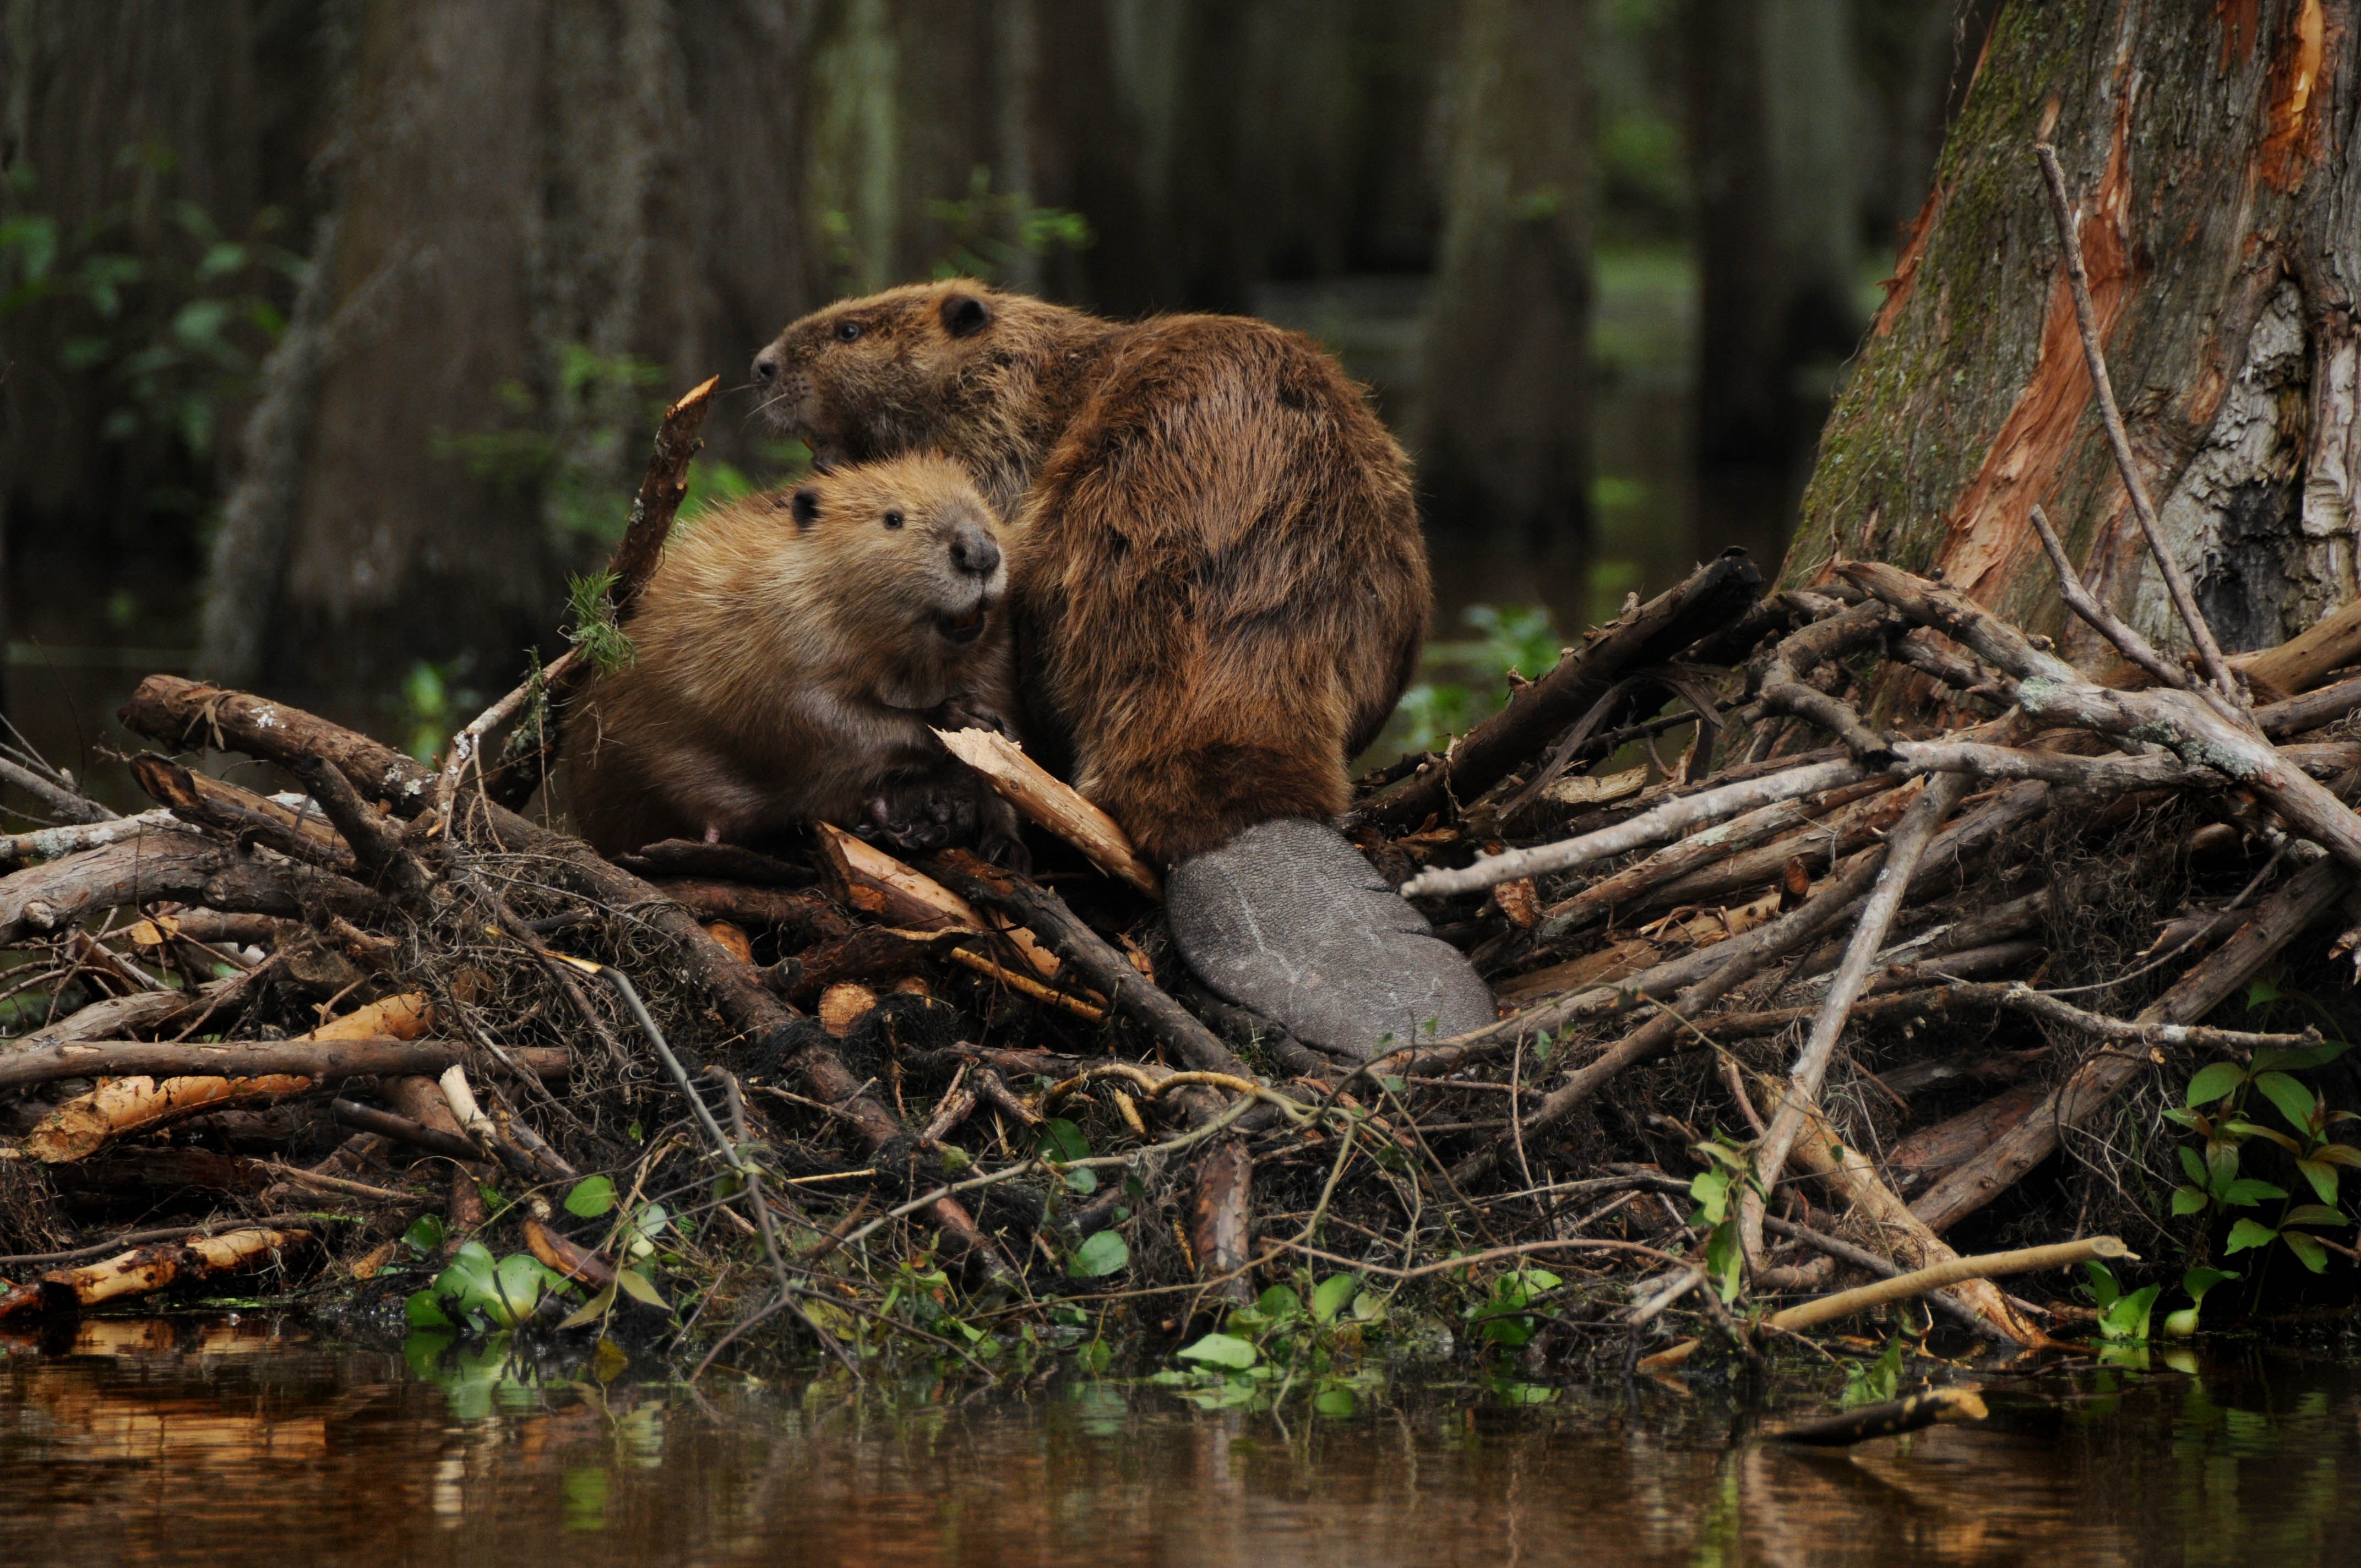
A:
x: 1286, y: 918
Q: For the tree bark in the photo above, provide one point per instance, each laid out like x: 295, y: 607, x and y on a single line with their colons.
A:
x: 2212, y: 149
x: 1504, y: 417
x: 1778, y: 174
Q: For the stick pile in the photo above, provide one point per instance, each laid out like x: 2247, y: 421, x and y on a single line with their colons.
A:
x: 1875, y: 969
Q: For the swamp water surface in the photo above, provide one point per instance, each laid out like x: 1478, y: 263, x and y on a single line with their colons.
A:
x: 211, y: 1440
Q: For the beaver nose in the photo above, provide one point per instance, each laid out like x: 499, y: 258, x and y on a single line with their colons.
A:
x: 767, y: 365
x: 975, y: 550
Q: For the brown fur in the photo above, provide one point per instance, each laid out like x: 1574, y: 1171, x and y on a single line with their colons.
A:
x: 1219, y: 586
x: 791, y: 652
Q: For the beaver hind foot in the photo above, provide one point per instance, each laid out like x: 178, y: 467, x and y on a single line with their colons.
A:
x: 1288, y: 919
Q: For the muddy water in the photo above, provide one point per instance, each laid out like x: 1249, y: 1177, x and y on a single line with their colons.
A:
x: 216, y: 1442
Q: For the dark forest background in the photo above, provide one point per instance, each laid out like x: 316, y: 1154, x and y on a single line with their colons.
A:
x: 333, y: 328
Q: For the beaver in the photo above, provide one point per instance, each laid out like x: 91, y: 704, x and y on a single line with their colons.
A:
x: 1218, y: 590
x: 789, y: 655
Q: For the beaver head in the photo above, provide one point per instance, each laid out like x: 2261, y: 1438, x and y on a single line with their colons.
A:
x: 953, y: 366
x: 913, y: 554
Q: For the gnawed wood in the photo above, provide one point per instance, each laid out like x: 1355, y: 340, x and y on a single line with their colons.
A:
x: 1048, y: 802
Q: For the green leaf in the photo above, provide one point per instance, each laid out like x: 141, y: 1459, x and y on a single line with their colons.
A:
x: 2262, y: 994
x: 425, y: 1234
x: 1062, y: 1140
x: 2247, y: 1234
x: 635, y: 1285
x: 1724, y: 1261
x: 1710, y: 1187
x: 422, y: 1311
x: 1332, y: 1295
x: 2221, y: 1167
x: 1336, y: 1404
x: 2188, y: 1201
x: 2269, y: 1134
x: 1099, y: 1256
x: 2193, y: 1165
x: 1082, y: 1180
x: 2338, y: 1153
x: 2126, y: 1319
x: 1280, y: 1304
x: 2199, y: 1280
x: 2215, y: 1081
x: 519, y: 1282
x: 1222, y: 1350
x: 467, y: 1284
x: 591, y: 1312
x: 2312, y: 1215
x: 2104, y: 1289
x: 2307, y: 1252
x: 2294, y: 1100
x: 2181, y: 1325
x: 2247, y: 1191
x: 2323, y: 1176
x: 590, y: 1197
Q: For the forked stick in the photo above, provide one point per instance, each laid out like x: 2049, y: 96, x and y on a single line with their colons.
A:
x: 2209, y: 651
x: 2128, y: 642
x: 1904, y: 849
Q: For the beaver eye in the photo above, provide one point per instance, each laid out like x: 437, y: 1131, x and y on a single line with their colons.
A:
x: 893, y: 520
x: 846, y: 331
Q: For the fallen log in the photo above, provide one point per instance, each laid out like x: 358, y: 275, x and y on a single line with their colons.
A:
x: 1714, y: 596
x: 148, y: 1269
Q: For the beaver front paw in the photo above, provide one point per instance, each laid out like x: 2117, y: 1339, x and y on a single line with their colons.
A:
x: 914, y: 822
x: 1000, y: 837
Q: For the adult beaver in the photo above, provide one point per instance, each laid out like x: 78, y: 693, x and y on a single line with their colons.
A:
x: 1219, y: 590
x: 789, y: 655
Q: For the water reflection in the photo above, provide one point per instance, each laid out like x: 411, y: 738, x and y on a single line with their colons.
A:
x: 177, y: 1441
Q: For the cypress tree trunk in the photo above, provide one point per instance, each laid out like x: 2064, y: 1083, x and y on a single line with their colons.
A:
x: 1506, y: 404
x: 2213, y: 151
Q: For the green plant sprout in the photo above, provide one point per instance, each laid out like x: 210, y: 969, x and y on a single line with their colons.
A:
x: 1313, y: 1336
x: 1728, y: 1173
x: 2196, y: 1283
x: 2215, y: 1183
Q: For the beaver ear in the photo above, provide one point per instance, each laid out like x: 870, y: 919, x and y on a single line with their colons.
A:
x: 804, y: 507
x: 965, y: 315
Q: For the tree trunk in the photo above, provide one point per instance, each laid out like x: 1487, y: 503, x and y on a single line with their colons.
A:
x: 543, y: 216
x: 1505, y: 407
x: 2212, y: 149
x: 1777, y: 178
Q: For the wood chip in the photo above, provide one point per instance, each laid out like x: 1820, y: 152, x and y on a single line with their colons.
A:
x: 842, y: 1006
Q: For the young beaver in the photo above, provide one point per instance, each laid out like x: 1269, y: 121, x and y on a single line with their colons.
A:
x: 791, y: 652
x: 1218, y: 590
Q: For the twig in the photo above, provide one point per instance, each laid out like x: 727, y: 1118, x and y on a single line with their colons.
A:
x: 2127, y: 643
x: 2209, y: 651
x: 1983, y: 1266
x: 1903, y: 849
x: 1885, y: 1268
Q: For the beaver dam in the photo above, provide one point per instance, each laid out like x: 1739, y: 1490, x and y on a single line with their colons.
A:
x: 1798, y: 1000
